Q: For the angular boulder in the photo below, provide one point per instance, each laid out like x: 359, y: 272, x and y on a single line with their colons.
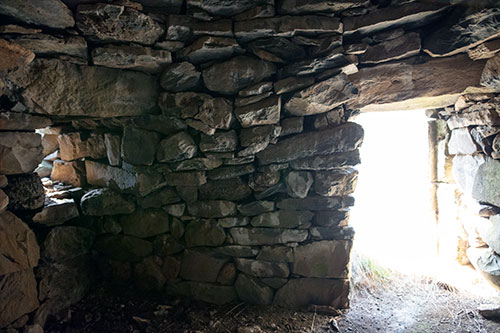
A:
x: 56, y: 212
x: 72, y: 172
x: 323, y: 259
x: 335, y: 183
x: 104, y: 201
x: 139, y: 146
x: 201, y: 266
x: 181, y: 76
x: 20, y: 152
x: 178, y: 147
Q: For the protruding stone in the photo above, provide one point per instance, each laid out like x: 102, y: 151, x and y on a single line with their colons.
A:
x: 265, y: 112
x: 298, y: 183
x: 334, y: 60
x: 73, y: 146
x: 286, y: 26
x: 461, y: 142
x: 238, y: 251
x: 95, y: 91
x: 113, y: 23
x: 298, y: 293
x: 131, y: 57
x: 338, y: 218
x: 124, y: 248
x: 12, y: 121
x: 231, y: 222
x: 56, y: 212
x: 204, y: 233
x: 201, y: 266
x: 19, y: 152
x: 253, y: 291
x: 209, y: 48
x: 283, y: 219
x: 219, y: 142
x: 321, y: 97
x: 486, y: 183
x: 181, y: 76
x: 104, y: 201
x: 261, y: 181
x: 184, y: 28
x: 394, y: 49
x: 343, y: 138
x: 276, y: 253
x: 295, y: 7
x: 113, y: 148
x: 324, y: 259
x: 51, y: 13
x: 145, y: 223
x: 176, y: 148
x: 237, y: 73
x: 316, y: 203
x: 491, y: 73
x: 276, y: 49
x: 18, y: 247
x: 25, y: 192
x: 336, y: 183
x: 267, y: 236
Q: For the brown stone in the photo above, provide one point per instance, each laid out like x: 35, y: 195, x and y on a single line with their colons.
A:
x: 18, y: 246
x: 72, y: 172
x: 48, y: 45
x: 336, y: 183
x: 56, y: 212
x: 20, y: 152
x: 394, y: 49
x: 104, y: 201
x: 491, y: 73
x: 181, y: 76
x: 265, y: 112
x: 291, y: 84
x: 22, y: 121
x: 73, y: 146
x: 51, y: 13
x: 25, y: 192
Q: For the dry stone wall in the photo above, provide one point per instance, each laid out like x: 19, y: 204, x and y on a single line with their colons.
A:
x: 201, y: 148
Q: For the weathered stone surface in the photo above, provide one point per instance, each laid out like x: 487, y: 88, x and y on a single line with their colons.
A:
x: 163, y: 124
x: 238, y: 251
x: 175, y: 209
x: 227, y: 274
x: 64, y: 243
x: 343, y: 138
x: 263, y: 269
x: 22, y: 121
x: 4, y: 201
x: 145, y: 223
x: 73, y: 146
x: 51, y: 13
x: 219, y: 142
x: 485, y: 50
x: 399, y: 48
x: 163, y: 6
x: 210, y: 48
x: 465, y: 168
x: 491, y: 73
x: 224, y: 8
x: 166, y: 245
x: 201, y: 265
x: 256, y: 12
x: 13, y: 56
x: 159, y: 198
x: 131, y: 57
x: 276, y: 49
x: 256, y: 89
x: 327, y: 162
x: 56, y: 212
x: 178, y: 147
x: 293, y: 125
x: 256, y: 208
x: 267, y: 236
x: 296, y: 7
x: 291, y: 84
x: 253, y: 291
x: 176, y: 228
x: 489, y: 230
x: 256, y: 139
x: 3, y: 181
x: 486, y: 182
x: 48, y: 45
x: 316, y: 203
x: 228, y: 172
x: 237, y: 73
x: 230, y: 222
x: 72, y: 172
x: 19, y: 152
x: 458, y: 35
x: 123, y: 247
x: 199, y: 163
x: 25, y: 192
x: 298, y: 183
x: 181, y: 76
x: 186, y: 180
x: 225, y: 189
x: 283, y: 219
x: 103, y: 201
x: 298, y: 293
x: 212, y: 208
x: 95, y: 91
x: 329, y: 233
x: 276, y: 254
x: 412, y: 13
x: 184, y: 28
x: 18, y: 246
x: 139, y: 146
x: 18, y: 296
x: 324, y: 259
x: 204, y: 233
x: 265, y: 112
x: 478, y: 114
x: 114, y: 23
x: 205, y: 292
x: 330, y: 118
x: 461, y: 142
x: 113, y: 148
x: 413, y: 82
x: 336, y: 183
x: 286, y: 26
x: 334, y: 60
x: 148, y: 274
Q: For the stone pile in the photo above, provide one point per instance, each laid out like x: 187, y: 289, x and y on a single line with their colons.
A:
x: 206, y: 147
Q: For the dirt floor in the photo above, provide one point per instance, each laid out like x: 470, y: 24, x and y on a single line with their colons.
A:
x: 396, y: 304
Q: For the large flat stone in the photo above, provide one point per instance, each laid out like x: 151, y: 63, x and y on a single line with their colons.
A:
x: 486, y: 183
x: 459, y: 33
x: 224, y: 8
x: 297, y: 7
x: 298, y: 293
x: 264, y: 112
x: 48, y: 45
x: 95, y: 91
x: 262, y: 269
x: 336, y: 183
x: 212, y: 208
x: 18, y: 246
x: 181, y: 76
x: 210, y: 48
x: 324, y: 259
x: 113, y: 23
x: 253, y: 291
x: 343, y: 138
x: 139, y: 146
x: 383, y: 86
x: 20, y: 152
x: 237, y: 73
x: 327, y: 162
x: 13, y: 56
x: 402, y: 47
x: 51, y: 13
x: 224, y: 189
x: 56, y: 212
x: 267, y: 236
x: 321, y: 97
x: 74, y: 146
x: 283, y: 219
x: 477, y: 114
x: 103, y: 201
x: 22, y: 121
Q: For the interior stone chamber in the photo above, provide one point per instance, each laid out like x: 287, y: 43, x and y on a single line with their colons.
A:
x: 206, y: 148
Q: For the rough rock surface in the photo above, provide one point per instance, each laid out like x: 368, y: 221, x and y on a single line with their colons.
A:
x: 315, y: 260
x: 19, y: 152
x: 104, y: 201
x: 253, y: 291
x: 25, y: 192
x: 50, y: 13
x: 491, y: 73
x: 56, y: 212
x: 182, y: 76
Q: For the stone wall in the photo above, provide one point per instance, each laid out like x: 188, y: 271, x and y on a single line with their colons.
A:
x: 204, y: 148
